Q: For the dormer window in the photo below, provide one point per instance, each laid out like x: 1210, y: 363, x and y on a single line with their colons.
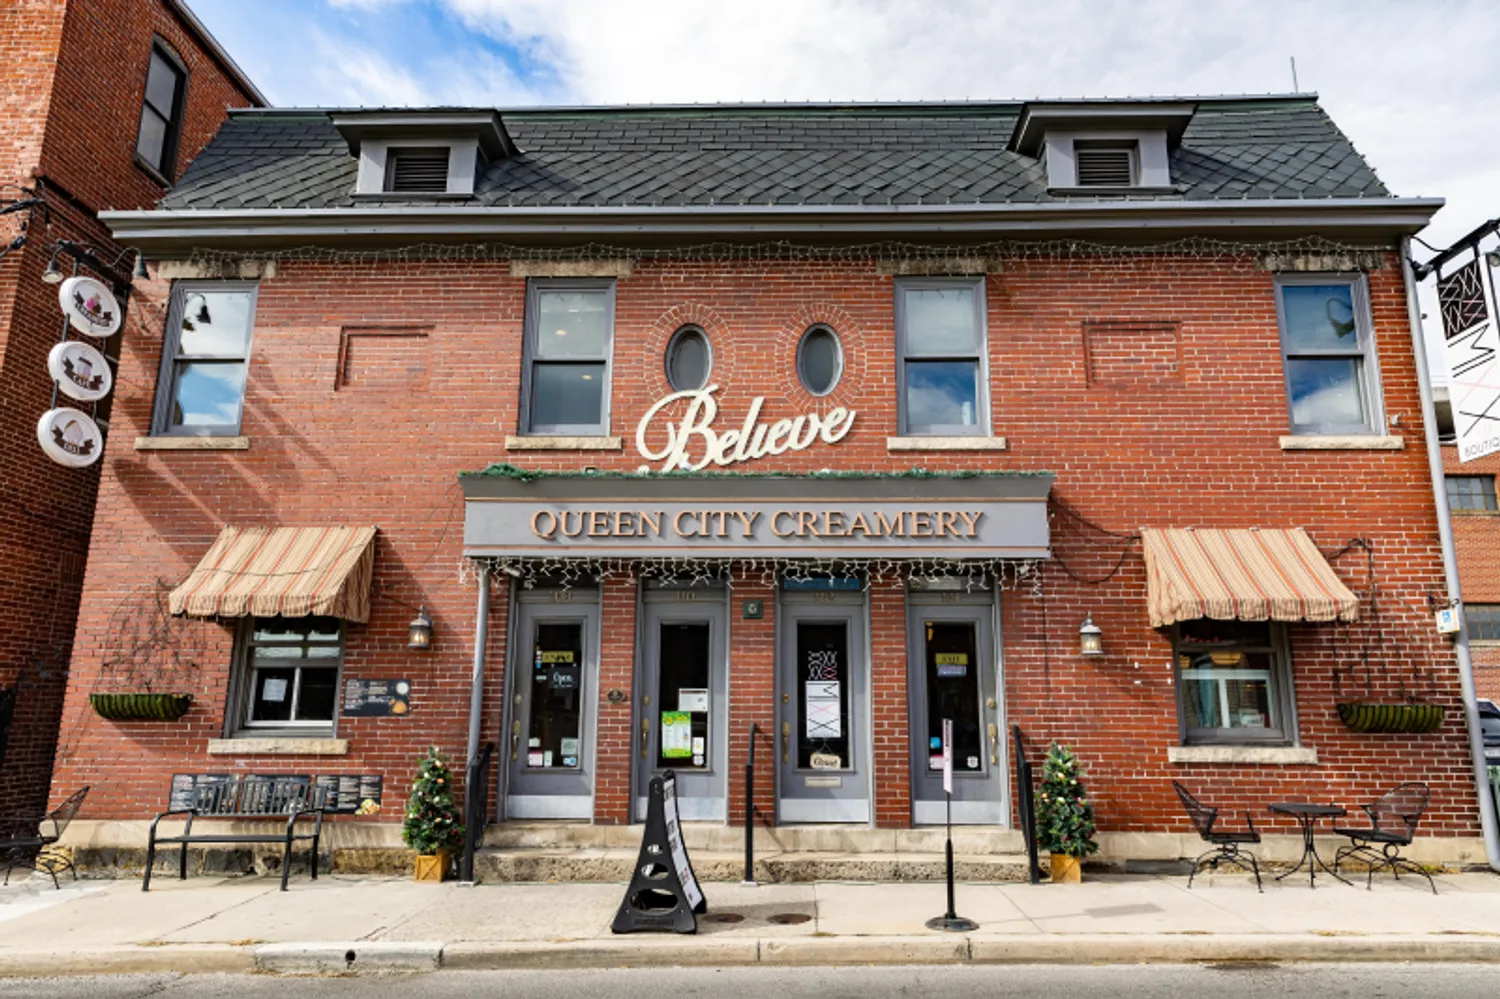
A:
x: 422, y: 154
x: 1097, y: 148
x: 1106, y: 164
x: 423, y: 170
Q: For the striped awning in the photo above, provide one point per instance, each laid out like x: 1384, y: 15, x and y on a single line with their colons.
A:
x: 1241, y: 575
x: 282, y: 571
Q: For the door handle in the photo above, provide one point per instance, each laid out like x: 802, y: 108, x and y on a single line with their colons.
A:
x: 515, y: 739
x: 786, y: 738
x: 994, y: 740
x: 645, y: 734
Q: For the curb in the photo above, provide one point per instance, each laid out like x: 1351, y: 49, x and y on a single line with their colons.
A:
x: 373, y: 957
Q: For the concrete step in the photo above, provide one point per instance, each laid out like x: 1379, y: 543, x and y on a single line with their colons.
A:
x: 718, y: 838
x: 779, y: 867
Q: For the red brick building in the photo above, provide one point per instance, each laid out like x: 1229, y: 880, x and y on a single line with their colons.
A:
x: 830, y: 420
x: 78, y: 134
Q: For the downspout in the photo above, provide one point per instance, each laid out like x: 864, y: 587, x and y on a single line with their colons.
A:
x: 1487, y: 818
x: 481, y: 640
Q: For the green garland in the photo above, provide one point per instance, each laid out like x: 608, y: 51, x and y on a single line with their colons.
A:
x: 1064, y: 815
x: 509, y: 471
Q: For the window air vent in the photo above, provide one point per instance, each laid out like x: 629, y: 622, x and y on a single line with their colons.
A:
x: 417, y: 170
x: 1105, y: 166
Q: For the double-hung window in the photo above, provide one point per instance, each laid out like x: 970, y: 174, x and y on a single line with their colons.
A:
x: 201, y: 391
x: 941, y: 357
x: 1233, y: 682
x: 1471, y: 492
x: 1328, y: 354
x: 289, y: 674
x: 1482, y: 622
x: 569, y: 338
x: 161, y: 112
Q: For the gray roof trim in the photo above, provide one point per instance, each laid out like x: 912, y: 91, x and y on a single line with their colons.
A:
x: 217, y: 52
x: 161, y: 232
x: 1038, y: 117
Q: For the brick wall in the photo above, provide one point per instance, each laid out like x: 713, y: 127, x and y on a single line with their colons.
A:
x: 72, y: 76
x: 1201, y: 450
x: 1476, y: 538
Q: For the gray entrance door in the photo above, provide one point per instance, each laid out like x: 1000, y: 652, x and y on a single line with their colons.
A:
x: 554, y: 682
x: 952, y: 672
x: 682, y: 700
x: 823, y: 705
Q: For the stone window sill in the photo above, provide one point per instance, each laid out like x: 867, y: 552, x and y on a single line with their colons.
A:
x: 945, y: 443
x: 1344, y: 442
x: 251, y: 746
x: 563, y: 444
x: 1242, y: 754
x: 192, y: 443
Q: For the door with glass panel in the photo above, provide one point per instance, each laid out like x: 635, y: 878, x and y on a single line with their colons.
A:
x: 823, y: 704
x: 952, y: 673
x: 682, y: 703
x: 554, y: 686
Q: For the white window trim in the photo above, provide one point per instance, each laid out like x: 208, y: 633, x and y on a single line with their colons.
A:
x: 1151, y: 158
x: 463, y: 165
x: 983, y: 426
x: 1370, y: 393
x: 534, y: 289
x: 166, y: 382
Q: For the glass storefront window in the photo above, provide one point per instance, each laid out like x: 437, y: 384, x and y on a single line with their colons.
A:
x: 1230, y: 681
x: 683, y: 696
x: 554, y: 734
x: 823, y: 741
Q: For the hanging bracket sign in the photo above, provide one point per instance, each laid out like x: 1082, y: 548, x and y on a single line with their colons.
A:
x: 81, y: 372
x: 90, y: 306
x: 70, y: 437
x: 1471, y: 345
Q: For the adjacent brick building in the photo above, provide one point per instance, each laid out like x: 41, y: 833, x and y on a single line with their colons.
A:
x: 73, y: 74
x: 977, y: 364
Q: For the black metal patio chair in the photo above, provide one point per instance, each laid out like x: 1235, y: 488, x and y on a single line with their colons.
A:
x: 27, y: 842
x: 1227, y: 843
x: 1393, y: 825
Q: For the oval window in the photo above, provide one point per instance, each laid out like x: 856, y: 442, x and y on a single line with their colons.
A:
x: 688, y: 359
x: 820, y: 360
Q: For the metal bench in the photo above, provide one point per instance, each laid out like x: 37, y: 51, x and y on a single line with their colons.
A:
x: 246, y: 799
x: 24, y: 842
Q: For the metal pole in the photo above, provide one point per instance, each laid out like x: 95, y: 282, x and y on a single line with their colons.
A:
x: 749, y: 879
x: 1487, y: 822
x: 481, y: 639
x: 948, y: 849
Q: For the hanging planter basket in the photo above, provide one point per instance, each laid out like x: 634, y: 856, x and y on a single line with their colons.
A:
x: 140, y: 707
x: 1408, y: 718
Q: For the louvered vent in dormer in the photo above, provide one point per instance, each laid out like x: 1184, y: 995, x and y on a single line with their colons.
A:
x: 417, y: 170
x: 1105, y: 165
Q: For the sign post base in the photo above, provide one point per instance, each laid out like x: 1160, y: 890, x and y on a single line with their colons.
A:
x: 954, y: 924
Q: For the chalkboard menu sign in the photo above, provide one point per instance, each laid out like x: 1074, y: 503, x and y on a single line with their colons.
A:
x: 185, y: 788
x: 376, y: 698
x: 351, y: 794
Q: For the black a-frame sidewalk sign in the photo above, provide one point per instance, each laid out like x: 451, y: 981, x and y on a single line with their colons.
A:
x: 663, y: 893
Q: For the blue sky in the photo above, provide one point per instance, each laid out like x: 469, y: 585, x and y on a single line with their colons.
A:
x: 1416, y: 86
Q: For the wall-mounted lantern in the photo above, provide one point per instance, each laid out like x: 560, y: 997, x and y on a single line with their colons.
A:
x: 1090, y: 638
x: 419, y: 632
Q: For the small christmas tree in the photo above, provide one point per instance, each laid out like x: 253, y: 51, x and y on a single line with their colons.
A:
x: 1064, y: 816
x: 432, y: 819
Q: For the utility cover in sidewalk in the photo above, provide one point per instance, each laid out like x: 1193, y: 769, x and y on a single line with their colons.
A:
x: 663, y: 893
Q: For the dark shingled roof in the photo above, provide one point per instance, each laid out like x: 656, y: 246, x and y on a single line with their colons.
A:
x: 782, y: 155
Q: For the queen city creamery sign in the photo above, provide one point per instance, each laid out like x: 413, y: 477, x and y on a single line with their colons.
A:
x: 789, y: 516
x: 693, y: 444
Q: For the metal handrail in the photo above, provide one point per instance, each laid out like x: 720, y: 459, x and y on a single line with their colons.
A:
x: 1026, y: 804
x: 749, y: 878
x: 476, y: 808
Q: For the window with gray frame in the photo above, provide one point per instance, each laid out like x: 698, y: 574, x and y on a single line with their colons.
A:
x: 941, y: 356
x: 569, y: 340
x: 1482, y: 622
x: 1471, y: 492
x: 201, y: 391
x: 1233, y: 682
x: 289, y: 675
x: 1328, y: 354
x: 161, y: 111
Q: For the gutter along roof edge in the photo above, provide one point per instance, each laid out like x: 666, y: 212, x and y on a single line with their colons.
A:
x: 181, y: 229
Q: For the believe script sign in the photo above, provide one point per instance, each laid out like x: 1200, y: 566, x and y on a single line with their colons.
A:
x: 693, y: 444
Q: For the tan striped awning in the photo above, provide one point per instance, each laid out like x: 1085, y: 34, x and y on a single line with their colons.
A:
x: 1241, y: 575
x: 285, y: 571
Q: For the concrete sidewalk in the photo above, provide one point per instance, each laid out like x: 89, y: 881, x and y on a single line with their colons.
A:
x: 345, y: 923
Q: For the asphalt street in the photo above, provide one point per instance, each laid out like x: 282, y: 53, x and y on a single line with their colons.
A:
x: 1328, y: 981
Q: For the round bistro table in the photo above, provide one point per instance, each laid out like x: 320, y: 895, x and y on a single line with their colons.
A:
x: 1307, y: 816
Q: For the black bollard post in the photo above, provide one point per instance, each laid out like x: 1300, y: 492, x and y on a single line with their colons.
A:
x: 749, y: 878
